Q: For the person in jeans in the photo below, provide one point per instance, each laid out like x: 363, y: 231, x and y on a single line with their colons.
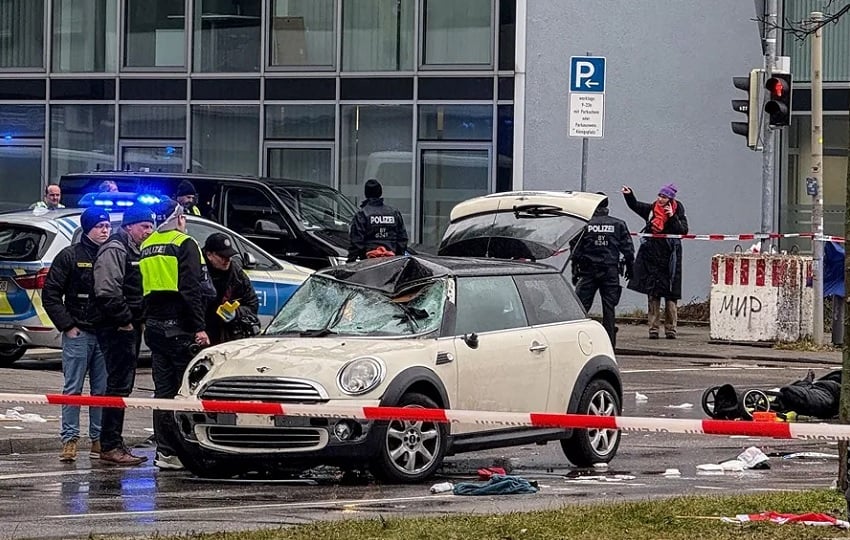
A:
x: 69, y: 300
x: 176, y: 289
x: 658, y: 266
x: 118, y: 291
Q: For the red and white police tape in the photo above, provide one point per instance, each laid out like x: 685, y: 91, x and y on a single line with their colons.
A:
x: 738, y: 237
x: 776, y: 430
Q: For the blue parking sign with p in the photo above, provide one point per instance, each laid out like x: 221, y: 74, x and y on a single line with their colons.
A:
x: 587, y: 74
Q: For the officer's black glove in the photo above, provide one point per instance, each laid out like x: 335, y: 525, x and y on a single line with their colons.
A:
x: 629, y: 270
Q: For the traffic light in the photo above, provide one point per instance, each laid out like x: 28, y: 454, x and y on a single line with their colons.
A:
x: 778, y: 104
x: 749, y: 106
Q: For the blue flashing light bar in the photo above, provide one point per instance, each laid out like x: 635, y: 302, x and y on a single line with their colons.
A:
x: 117, y: 200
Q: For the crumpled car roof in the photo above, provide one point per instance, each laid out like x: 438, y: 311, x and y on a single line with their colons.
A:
x: 391, y: 275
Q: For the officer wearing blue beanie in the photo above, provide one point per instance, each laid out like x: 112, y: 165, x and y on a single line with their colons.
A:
x: 69, y: 300
x: 118, y: 292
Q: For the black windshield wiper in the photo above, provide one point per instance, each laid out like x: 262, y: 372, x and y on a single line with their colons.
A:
x: 316, y: 332
x: 537, y: 210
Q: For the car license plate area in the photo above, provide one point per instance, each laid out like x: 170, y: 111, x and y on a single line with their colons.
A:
x: 254, y: 420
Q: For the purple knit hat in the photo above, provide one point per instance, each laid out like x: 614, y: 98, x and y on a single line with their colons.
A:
x: 668, y: 191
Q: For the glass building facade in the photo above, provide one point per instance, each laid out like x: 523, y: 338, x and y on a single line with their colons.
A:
x: 415, y: 93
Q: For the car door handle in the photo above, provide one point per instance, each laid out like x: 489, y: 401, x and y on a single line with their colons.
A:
x: 537, y: 347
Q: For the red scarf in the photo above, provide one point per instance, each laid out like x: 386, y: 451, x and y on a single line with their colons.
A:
x: 660, y: 217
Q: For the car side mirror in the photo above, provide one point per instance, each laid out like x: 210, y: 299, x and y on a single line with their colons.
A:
x: 248, y: 260
x: 471, y: 340
x: 270, y: 228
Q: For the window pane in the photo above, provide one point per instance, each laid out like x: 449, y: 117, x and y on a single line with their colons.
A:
x: 153, y: 122
x: 507, y: 34
x: 449, y: 177
x: 21, y: 33
x: 311, y: 164
x: 227, y: 35
x: 82, y: 138
x: 84, y: 35
x: 152, y: 158
x: 155, y: 34
x: 505, y: 149
x: 457, y: 32
x: 488, y: 304
x: 547, y: 299
x: 377, y: 143
x: 455, y: 122
x: 20, y: 121
x: 225, y: 139
x: 302, y: 33
x: 315, y: 122
x: 20, y: 176
x: 377, y: 35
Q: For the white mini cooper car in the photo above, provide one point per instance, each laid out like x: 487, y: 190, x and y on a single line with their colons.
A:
x: 500, y: 330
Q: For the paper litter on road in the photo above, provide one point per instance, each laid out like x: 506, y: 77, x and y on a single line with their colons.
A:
x: 641, y: 398
x: 16, y: 415
x: 753, y: 458
x: 681, y: 406
x: 672, y: 472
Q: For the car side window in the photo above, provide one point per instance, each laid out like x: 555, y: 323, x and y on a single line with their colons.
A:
x: 246, y: 207
x: 548, y: 299
x: 200, y: 231
x: 486, y: 304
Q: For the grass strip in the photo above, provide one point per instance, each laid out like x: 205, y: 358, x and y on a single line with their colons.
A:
x: 680, y: 518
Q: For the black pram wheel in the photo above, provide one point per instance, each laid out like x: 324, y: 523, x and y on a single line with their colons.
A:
x: 755, y: 401
x: 709, y: 401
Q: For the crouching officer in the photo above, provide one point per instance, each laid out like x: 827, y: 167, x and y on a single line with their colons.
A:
x: 377, y: 228
x: 231, y: 285
x: 596, y: 263
x: 176, y: 288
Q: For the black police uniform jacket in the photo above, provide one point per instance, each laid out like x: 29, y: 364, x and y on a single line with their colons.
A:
x: 599, y: 249
x: 68, y: 294
x: 118, y: 280
x: 376, y: 224
x: 658, y: 266
x: 231, y: 284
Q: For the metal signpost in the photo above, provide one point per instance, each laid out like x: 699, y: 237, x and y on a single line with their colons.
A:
x: 587, y: 103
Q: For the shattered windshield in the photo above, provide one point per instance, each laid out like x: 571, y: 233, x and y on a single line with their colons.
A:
x: 324, y: 306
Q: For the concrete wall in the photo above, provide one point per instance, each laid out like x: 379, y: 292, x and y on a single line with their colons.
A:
x: 670, y: 65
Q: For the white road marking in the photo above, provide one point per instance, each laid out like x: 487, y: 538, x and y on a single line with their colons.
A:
x: 349, y: 503
x: 44, y: 474
x: 706, y: 368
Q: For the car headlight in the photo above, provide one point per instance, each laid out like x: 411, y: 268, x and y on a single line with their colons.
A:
x: 197, y: 372
x: 360, y: 375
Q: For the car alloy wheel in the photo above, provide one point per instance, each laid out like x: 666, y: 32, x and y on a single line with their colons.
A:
x: 410, y: 450
x: 588, y: 446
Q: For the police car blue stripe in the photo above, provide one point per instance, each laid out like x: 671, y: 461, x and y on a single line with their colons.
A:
x: 68, y: 224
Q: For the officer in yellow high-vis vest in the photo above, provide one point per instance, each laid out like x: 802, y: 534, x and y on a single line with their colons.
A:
x: 176, y: 287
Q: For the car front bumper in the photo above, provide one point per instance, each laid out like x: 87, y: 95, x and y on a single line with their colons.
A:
x: 294, y: 440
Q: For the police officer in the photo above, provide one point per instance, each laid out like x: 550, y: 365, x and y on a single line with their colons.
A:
x: 176, y: 288
x: 231, y: 283
x: 376, y: 227
x: 186, y: 195
x: 118, y: 291
x: 596, y: 262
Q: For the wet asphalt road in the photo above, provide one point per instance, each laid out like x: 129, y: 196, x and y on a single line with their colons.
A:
x: 42, y: 498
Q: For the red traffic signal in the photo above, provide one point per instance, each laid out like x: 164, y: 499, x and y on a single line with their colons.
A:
x: 778, y: 104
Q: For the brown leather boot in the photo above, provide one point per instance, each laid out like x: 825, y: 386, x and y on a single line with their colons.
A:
x: 119, y: 457
x: 69, y: 451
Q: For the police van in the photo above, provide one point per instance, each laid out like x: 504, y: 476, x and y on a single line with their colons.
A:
x: 302, y: 222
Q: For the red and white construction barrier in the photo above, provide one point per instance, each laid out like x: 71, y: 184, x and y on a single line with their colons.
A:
x: 741, y: 237
x: 776, y: 430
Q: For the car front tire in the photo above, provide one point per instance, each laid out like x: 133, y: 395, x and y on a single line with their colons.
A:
x: 410, y: 451
x: 588, y: 446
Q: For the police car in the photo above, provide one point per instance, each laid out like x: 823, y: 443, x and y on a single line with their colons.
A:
x: 30, y: 239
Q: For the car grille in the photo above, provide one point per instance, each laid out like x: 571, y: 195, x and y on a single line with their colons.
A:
x: 266, y: 438
x: 275, y: 390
